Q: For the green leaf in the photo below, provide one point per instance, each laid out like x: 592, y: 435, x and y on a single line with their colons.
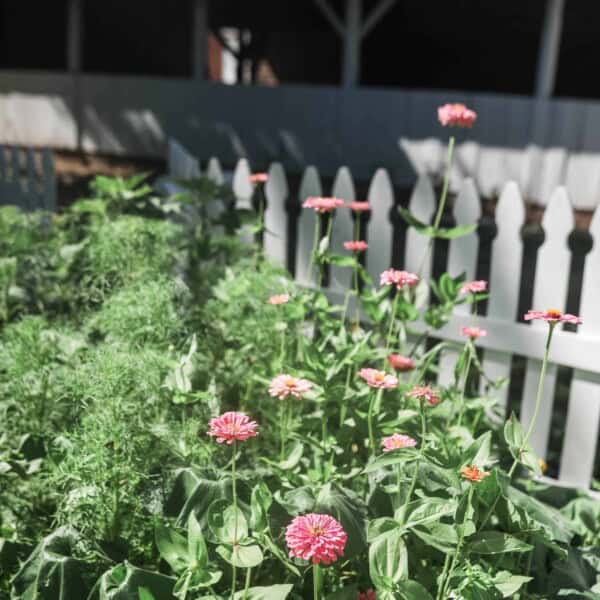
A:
x: 145, y: 594
x: 496, y: 542
x: 272, y: 592
x: 341, y: 261
x: 430, y: 509
x: 421, y: 227
x: 412, y: 590
x: 197, y: 551
x: 456, y: 232
x: 172, y: 547
x: 125, y: 581
x: 479, y: 452
x: 388, y: 559
x: 244, y: 557
x: 260, y: 503
x: 509, y: 584
x: 391, y: 458
x: 440, y: 536
x: 227, y: 523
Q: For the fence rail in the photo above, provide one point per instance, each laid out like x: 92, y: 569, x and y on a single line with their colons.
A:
x: 508, y: 338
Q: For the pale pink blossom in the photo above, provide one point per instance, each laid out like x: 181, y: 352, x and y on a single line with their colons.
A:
x: 359, y: 206
x: 278, y: 299
x: 356, y: 246
x: 232, y: 426
x: 552, y: 315
x: 379, y: 379
x: 314, y: 537
x: 285, y: 385
x: 401, y: 363
x: 396, y: 441
x: 473, y: 332
x: 456, y: 115
x: 474, y: 287
x: 398, y: 278
x: 424, y: 392
x: 259, y: 178
x: 368, y: 595
x: 322, y: 205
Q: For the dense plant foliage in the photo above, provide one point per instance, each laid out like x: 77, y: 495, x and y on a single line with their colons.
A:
x: 129, y: 328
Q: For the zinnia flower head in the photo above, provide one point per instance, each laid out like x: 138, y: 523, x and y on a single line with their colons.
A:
x: 424, y: 392
x: 398, y: 278
x: 314, y: 537
x: 285, y: 385
x: 356, y: 246
x: 368, y: 595
x: 543, y: 465
x: 359, y: 206
x: 398, y: 440
x: 322, y: 205
x: 474, y: 287
x: 473, y: 332
x: 401, y: 363
x: 552, y: 315
x: 259, y: 178
x: 379, y: 379
x: 456, y: 115
x: 472, y: 473
x: 278, y: 299
x: 231, y: 427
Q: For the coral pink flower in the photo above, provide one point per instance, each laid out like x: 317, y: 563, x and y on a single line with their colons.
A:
x: 259, y: 178
x: 398, y: 440
x: 359, y: 206
x: 356, y: 246
x: 368, y: 595
x: 322, y: 205
x: 378, y: 379
x: 314, y: 537
x: 398, y: 278
x: 278, y: 299
x: 474, y: 287
x: 551, y: 315
x: 456, y: 115
x: 473, y: 332
x: 401, y: 363
x: 284, y: 385
x: 424, y: 392
x: 473, y: 474
x: 232, y: 426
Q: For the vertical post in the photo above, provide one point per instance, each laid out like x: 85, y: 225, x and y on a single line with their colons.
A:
x: 199, y: 39
x: 352, y: 38
x: 74, y: 62
x: 549, y: 49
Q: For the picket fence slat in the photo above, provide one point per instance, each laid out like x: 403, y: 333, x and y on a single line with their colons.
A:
x: 275, y: 238
x: 550, y: 290
x: 379, y: 233
x: 422, y: 205
x: 343, y: 228
x: 309, y: 186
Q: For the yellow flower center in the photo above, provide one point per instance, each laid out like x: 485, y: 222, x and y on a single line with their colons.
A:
x: 290, y: 382
x: 379, y: 376
x: 315, y: 530
x: 553, y: 312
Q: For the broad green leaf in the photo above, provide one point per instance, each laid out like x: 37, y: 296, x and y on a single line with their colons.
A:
x: 227, y: 523
x: 431, y: 509
x: 380, y: 526
x: 478, y: 453
x: 145, y: 594
x: 509, y: 584
x: 350, y: 591
x: 403, y: 455
x: 271, y: 592
x: 341, y: 261
x: 244, y: 557
x: 456, y: 232
x: 496, y: 542
x: 124, y: 582
x: 440, y: 536
x: 260, y: 503
x: 197, y: 551
x: 172, y: 547
x: 388, y: 559
x: 412, y: 590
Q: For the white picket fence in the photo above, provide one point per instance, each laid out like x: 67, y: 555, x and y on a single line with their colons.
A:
x: 506, y: 337
x: 27, y: 178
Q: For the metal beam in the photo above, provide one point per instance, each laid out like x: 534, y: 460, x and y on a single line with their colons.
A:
x: 330, y: 15
x: 199, y: 38
x: 549, y: 48
x: 376, y: 15
x: 74, y: 37
x: 352, y: 38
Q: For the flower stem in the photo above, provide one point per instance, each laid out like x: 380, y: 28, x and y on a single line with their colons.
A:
x: 391, y: 326
x: 316, y: 582
x: 235, y: 514
x: 321, y: 262
x: 470, y: 350
x: 315, y: 245
x: 374, y: 404
x: 247, y: 584
x: 283, y: 428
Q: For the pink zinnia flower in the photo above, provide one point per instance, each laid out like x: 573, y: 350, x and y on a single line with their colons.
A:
x: 278, y: 299
x: 424, y: 392
x: 284, y: 385
x: 473, y: 332
x: 378, y: 379
x: 314, y: 537
x: 398, y: 278
x: 232, y: 426
x: 356, y: 246
x: 368, y: 595
x: 552, y: 315
x: 259, y: 178
x: 473, y: 474
x: 322, y: 205
x: 474, y: 287
x: 359, y: 206
x: 401, y: 363
x: 456, y: 115
x: 398, y: 440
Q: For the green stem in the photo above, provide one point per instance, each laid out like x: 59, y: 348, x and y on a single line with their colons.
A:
x: 316, y: 582
x: 438, y: 596
x: 235, y: 514
x: 399, y: 481
x: 464, y: 383
x: 391, y: 326
x: 321, y: 262
x: 282, y: 428
x: 374, y: 407
x: 247, y: 584
x: 315, y: 245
